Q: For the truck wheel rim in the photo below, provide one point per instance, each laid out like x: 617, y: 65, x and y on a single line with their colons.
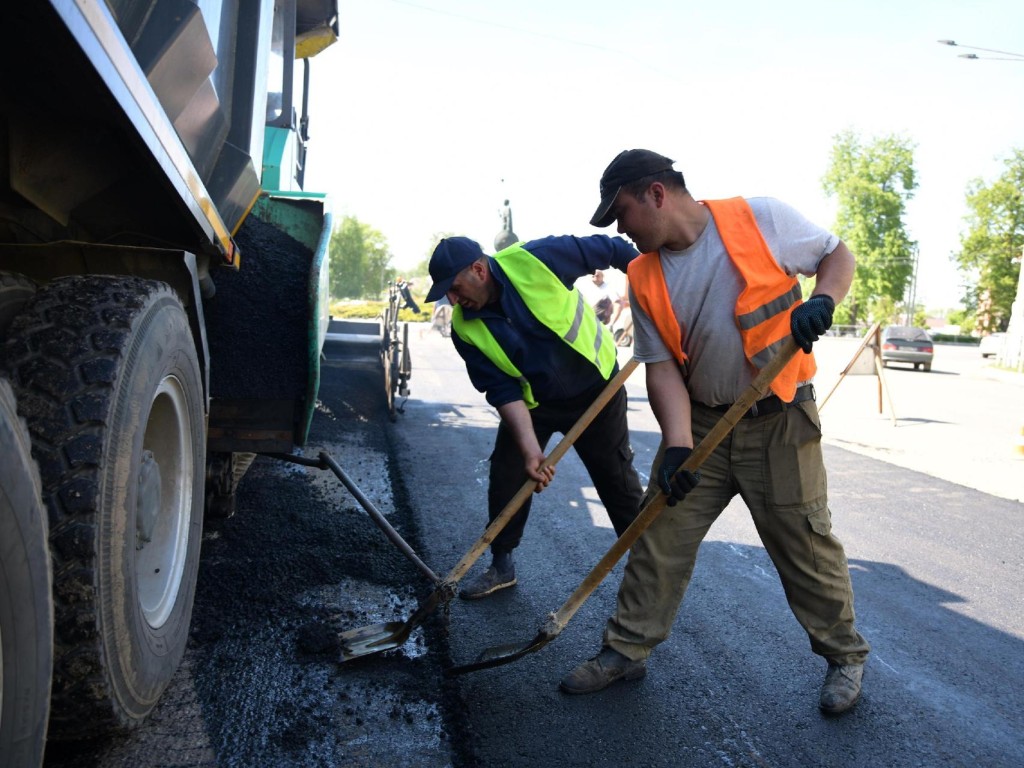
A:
x: 160, y: 562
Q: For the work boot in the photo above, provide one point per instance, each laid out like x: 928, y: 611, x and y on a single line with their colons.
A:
x: 601, y: 671
x: 842, y: 687
x: 487, y: 583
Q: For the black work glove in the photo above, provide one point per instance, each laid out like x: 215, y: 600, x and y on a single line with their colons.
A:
x: 811, y: 319
x: 676, y: 487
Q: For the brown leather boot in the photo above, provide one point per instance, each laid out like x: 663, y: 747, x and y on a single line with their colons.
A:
x: 841, y: 688
x: 601, y: 671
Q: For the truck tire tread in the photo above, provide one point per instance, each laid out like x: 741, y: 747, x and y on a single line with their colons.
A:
x: 26, y: 611
x: 65, y: 352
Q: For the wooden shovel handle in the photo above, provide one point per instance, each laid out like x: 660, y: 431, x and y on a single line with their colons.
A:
x: 757, y: 389
x: 506, y: 514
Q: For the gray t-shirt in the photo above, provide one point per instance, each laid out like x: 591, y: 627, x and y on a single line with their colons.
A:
x: 703, y: 286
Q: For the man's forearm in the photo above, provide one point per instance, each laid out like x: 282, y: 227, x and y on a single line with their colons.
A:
x: 835, y: 273
x: 517, y: 417
x: 670, y: 402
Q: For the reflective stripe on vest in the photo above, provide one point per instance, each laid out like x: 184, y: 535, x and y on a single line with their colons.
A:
x: 762, y: 308
x: 561, y: 310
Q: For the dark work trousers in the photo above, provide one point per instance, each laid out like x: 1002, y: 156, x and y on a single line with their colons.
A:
x: 603, y: 448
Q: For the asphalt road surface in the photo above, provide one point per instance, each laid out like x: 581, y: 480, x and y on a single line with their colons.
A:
x: 936, y: 566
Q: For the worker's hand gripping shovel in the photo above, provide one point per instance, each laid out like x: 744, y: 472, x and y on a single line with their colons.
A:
x: 503, y: 654
x: 356, y: 643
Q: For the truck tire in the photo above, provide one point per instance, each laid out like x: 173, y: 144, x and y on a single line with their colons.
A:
x: 26, y: 613
x: 106, y: 374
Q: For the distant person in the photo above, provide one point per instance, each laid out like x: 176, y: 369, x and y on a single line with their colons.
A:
x: 714, y: 296
x: 533, y: 346
x: 441, y: 318
x: 622, y: 326
x: 608, y: 302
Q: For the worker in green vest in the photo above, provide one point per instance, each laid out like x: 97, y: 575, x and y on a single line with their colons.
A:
x: 534, y: 347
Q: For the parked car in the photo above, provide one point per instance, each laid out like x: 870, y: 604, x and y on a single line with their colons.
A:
x: 903, y: 344
x: 992, y: 344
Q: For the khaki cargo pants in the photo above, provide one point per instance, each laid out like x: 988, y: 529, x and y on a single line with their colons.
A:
x: 775, y: 463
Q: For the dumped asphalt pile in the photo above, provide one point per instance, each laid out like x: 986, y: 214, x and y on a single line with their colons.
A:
x: 259, y: 316
x: 291, y: 538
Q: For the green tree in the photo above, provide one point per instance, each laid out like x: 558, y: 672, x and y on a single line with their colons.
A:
x: 962, y: 317
x: 872, y: 182
x: 359, y: 258
x: 990, y: 251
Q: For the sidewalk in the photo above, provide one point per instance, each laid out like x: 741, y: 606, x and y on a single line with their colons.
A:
x: 966, y: 428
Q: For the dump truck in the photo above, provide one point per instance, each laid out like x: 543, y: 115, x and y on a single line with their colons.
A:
x: 163, y: 291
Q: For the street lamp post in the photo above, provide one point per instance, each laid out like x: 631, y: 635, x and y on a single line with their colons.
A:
x: 1012, y: 353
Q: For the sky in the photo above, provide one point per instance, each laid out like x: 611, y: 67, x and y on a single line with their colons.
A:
x: 427, y: 114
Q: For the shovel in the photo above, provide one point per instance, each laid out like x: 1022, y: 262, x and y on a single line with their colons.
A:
x: 503, y: 654
x: 356, y: 643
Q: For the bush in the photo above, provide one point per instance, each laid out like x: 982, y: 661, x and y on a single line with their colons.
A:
x: 948, y: 338
x: 355, y: 310
x: 370, y: 310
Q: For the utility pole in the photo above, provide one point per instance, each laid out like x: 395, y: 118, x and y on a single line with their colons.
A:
x: 1012, y: 354
x: 912, y: 302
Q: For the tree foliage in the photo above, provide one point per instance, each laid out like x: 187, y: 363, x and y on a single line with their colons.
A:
x: 359, y: 258
x: 872, y: 183
x: 990, y: 251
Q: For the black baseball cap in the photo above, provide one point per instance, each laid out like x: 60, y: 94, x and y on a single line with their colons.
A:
x: 629, y: 165
x: 450, y: 256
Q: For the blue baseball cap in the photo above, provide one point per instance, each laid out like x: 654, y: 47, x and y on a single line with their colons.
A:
x: 451, y: 256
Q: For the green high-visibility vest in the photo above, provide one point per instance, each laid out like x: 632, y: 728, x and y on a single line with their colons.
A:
x: 563, y: 311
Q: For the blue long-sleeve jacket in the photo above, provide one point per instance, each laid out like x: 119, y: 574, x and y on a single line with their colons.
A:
x: 554, y: 370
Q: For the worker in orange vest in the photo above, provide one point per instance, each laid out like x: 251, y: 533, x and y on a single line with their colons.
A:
x: 714, y: 295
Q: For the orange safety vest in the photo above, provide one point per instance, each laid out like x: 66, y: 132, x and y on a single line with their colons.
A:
x: 762, y: 309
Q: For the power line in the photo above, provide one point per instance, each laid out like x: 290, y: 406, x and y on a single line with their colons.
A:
x: 1005, y: 55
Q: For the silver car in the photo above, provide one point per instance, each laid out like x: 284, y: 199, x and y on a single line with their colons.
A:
x: 903, y: 344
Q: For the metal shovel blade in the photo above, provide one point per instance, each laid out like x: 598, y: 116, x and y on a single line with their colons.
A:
x: 497, y: 655
x: 373, y: 639
x: 376, y: 638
